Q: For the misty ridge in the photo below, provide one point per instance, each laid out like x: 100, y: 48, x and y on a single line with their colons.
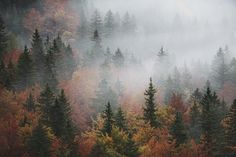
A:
x: 117, y: 78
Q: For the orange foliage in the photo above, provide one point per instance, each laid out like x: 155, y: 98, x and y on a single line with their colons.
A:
x: 228, y: 92
x: 177, y: 103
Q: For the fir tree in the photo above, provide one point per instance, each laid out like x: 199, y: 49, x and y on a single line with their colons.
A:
x: 61, y: 121
x: 25, y: 70
x: 109, y: 24
x: 150, y: 108
x: 120, y: 120
x: 230, y: 132
x: 108, y: 119
x: 118, y: 58
x: 195, y: 125
x: 46, y: 101
x: 3, y: 38
x: 96, y: 22
x: 178, y: 130
x: 30, y: 103
x: 38, y: 56
x: 39, y: 143
x: 132, y: 150
x: 3, y: 73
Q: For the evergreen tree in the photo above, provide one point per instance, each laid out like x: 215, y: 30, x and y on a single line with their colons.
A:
x: 25, y: 70
x: 132, y: 150
x: 176, y: 81
x: 120, y: 120
x: 11, y: 76
x: 30, y: 103
x: 220, y: 69
x: 210, y: 123
x: 178, y: 130
x: 186, y: 78
x: 168, y: 90
x: 3, y: 38
x: 38, y: 56
x: 50, y: 69
x: 96, y: 22
x: 118, y: 58
x: 3, y: 73
x: 150, y: 108
x: 109, y: 24
x: 108, y: 119
x: 230, y: 131
x: 97, y: 48
x: 39, y: 143
x: 195, y: 125
x: 46, y: 101
x: 61, y: 121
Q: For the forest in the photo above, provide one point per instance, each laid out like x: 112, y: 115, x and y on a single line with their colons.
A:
x: 102, y: 78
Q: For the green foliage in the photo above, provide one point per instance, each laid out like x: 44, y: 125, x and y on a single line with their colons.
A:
x: 120, y: 120
x: 108, y: 119
x: 3, y: 38
x: 30, y: 104
x: 178, y: 130
x: 39, y: 143
x: 150, y: 108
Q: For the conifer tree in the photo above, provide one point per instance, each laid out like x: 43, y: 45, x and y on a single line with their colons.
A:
x: 230, y: 132
x: 96, y: 22
x: 195, y: 125
x: 61, y: 121
x: 118, y: 58
x: 132, y: 150
x: 39, y: 143
x: 108, y: 119
x: 178, y: 129
x: 109, y: 23
x: 3, y: 73
x: 25, y: 70
x: 120, y: 120
x: 30, y: 103
x: 3, y: 38
x: 150, y: 108
x: 38, y: 56
x: 46, y: 101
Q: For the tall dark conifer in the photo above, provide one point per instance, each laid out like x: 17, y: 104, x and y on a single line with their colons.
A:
x: 108, y: 119
x: 150, y: 109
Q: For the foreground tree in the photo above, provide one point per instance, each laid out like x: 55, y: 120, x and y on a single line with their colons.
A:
x: 150, y: 108
x: 108, y: 119
x: 120, y: 120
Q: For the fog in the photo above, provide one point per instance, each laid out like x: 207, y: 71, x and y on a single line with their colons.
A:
x: 202, y: 25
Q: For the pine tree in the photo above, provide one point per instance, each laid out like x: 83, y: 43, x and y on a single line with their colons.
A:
x: 132, y: 150
x: 39, y: 143
x: 230, y: 132
x: 3, y: 73
x: 3, y: 38
x: 96, y: 22
x: 150, y: 108
x: 178, y: 130
x: 46, y: 101
x: 30, y: 103
x: 25, y: 70
x: 168, y: 90
x: 11, y: 76
x: 38, y: 56
x: 108, y: 119
x: 97, y: 48
x: 120, y: 120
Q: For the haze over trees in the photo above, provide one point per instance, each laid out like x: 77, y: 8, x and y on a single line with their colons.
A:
x: 84, y: 78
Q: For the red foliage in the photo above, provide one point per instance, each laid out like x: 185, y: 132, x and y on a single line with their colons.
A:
x: 177, y: 103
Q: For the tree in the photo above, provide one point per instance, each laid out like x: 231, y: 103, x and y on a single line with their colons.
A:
x: 230, y: 131
x: 30, y: 103
x: 195, y: 125
x: 150, y: 108
x: 109, y: 24
x: 120, y: 120
x: 25, y: 70
x: 168, y: 90
x: 178, y: 130
x: 220, y: 69
x: 118, y: 58
x: 3, y: 73
x: 46, y: 101
x: 39, y: 142
x: 3, y: 39
x: 61, y: 122
x: 210, y: 123
x: 96, y: 22
x: 108, y: 119
x: 38, y: 56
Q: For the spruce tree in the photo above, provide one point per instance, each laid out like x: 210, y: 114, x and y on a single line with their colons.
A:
x: 25, y: 70
x: 195, y: 125
x: 150, y: 108
x: 3, y: 38
x: 46, y: 101
x: 39, y: 143
x: 230, y: 132
x: 178, y: 130
x: 38, y: 57
x: 132, y: 150
x: 118, y: 58
x: 30, y: 103
x: 61, y: 121
x: 120, y: 120
x: 108, y: 119
x: 109, y: 24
